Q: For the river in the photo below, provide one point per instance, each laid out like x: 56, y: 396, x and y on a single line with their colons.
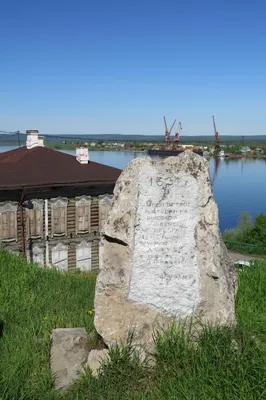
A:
x: 238, y: 184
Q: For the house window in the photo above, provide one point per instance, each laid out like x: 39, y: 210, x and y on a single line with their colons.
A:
x: 105, y: 205
x: 35, y: 255
x: 8, y: 222
x: 60, y: 257
x: 83, y: 214
x: 34, y: 219
x: 83, y: 256
x: 59, y: 216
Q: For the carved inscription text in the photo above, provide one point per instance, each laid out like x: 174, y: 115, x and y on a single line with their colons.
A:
x: 164, y: 270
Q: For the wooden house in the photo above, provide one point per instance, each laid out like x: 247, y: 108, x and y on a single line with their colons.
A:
x: 53, y: 205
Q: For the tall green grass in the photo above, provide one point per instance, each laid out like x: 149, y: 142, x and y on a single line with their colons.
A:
x: 33, y: 301
x: 220, y: 363
x: 217, y: 363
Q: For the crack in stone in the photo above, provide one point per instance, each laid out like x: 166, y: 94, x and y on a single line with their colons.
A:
x: 212, y: 275
x: 114, y: 240
x: 210, y: 197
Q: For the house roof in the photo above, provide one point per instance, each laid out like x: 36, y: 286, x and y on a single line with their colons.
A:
x: 41, y: 166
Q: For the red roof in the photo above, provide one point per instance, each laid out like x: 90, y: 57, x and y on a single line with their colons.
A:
x: 41, y: 166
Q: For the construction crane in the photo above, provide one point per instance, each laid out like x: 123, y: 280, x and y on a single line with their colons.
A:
x: 177, y: 135
x: 167, y: 132
x: 217, y: 137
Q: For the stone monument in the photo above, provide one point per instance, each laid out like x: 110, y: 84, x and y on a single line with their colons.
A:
x: 163, y: 257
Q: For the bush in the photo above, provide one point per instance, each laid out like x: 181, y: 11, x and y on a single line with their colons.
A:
x: 253, y: 235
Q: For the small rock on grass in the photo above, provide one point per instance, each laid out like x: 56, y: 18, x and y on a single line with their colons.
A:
x: 95, y: 358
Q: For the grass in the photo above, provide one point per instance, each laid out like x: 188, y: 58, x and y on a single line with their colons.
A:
x: 33, y: 301
x: 217, y: 364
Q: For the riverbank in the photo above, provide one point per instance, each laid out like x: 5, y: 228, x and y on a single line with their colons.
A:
x: 92, y: 149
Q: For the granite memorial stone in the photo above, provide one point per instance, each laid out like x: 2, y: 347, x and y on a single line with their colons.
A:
x: 162, y: 254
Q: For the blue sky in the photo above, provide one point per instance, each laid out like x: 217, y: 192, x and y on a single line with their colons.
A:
x: 118, y: 66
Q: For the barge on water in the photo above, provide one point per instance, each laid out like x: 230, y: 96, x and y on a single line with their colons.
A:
x: 173, y: 151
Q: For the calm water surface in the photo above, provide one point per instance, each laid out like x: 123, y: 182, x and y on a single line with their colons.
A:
x: 239, y: 185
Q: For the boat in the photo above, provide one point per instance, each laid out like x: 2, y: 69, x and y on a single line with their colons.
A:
x: 235, y: 155
x: 170, y: 148
x: 173, y: 150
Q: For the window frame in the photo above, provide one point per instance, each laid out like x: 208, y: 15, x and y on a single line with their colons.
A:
x: 60, y: 247
x: 37, y: 206
x: 58, y: 203
x: 9, y: 207
x: 84, y: 244
x: 83, y: 201
x: 105, y: 200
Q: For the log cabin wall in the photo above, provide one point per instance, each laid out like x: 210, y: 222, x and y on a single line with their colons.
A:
x: 69, y: 249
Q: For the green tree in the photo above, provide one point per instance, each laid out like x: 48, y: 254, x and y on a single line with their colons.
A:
x: 244, y: 222
x: 258, y: 232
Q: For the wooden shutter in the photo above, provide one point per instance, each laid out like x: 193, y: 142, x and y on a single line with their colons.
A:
x: 105, y: 205
x: 38, y: 222
x: 80, y: 218
x: 87, y: 212
x: 30, y: 223
x: 1, y: 226
x: 28, y: 229
x: 83, y: 206
x: 8, y: 221
x: 34, y: 221
x: 62, y: 220
x: 59, y: 216
x: 5, y: 227
x: 12, y: 224
x: 56, y: 220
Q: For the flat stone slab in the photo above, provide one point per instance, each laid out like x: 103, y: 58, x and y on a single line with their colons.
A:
x: 68, y: 355
x: 162, y: 255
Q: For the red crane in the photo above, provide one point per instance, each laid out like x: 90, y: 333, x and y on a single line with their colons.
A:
x: 168, y: 133
x: 217, y: 137
x: 177, y: 135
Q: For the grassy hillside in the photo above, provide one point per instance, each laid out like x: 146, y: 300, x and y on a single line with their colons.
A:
x: 33, y: 301
x: 222, y: 364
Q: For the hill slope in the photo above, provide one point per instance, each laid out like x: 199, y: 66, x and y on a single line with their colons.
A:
x: 227, y: 363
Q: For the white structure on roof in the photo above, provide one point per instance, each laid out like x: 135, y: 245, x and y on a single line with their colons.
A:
x: 33, y: 139
x: 82, y: 155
